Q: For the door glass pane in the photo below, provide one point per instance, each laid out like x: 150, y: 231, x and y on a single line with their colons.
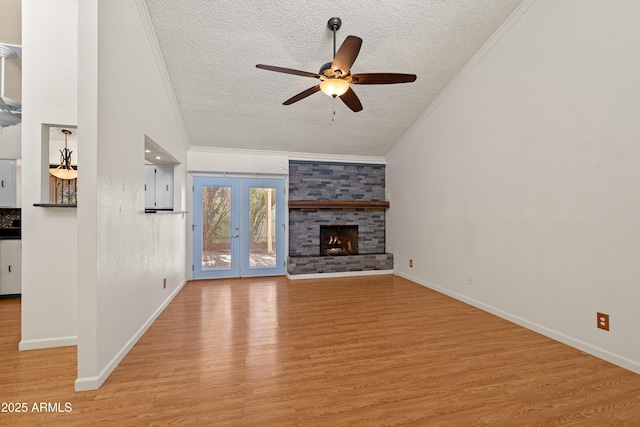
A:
x: 216, y: 227
x: 262, y: 227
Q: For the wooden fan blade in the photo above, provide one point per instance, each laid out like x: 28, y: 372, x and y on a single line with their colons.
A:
x: 302, y: 95
x: 381, y: 78
x: 287, y: 71
x: 347, y: 54
x: 351, y: 100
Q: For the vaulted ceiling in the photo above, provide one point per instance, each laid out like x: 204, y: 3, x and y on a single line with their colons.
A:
x: 211, y: 48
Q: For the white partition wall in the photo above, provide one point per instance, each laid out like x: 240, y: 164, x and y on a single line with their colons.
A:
x: 125, y: 254
x: 49, y: 236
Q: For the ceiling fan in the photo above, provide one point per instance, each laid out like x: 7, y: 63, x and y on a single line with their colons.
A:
x: 336, y: 78
x: 10, y: 110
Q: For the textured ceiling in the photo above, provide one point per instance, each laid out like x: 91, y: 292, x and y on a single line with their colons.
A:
x: 211, y: 49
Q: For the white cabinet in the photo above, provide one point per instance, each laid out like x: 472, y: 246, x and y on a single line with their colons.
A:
x: 149, y: 186
x: 10, y: 266
x: 158, y: 185
x: 164, y: 187
x: 7, y: 183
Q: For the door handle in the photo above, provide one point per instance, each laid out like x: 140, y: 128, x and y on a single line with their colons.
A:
x: 236, y: 235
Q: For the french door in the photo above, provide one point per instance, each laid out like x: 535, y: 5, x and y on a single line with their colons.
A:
x: 238, y: 227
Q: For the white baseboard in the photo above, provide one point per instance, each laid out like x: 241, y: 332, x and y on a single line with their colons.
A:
x: 93, y: 383
x: 603, y: 354
x: 341, y: 274
x: 88, y: 383
x: 47, y: 343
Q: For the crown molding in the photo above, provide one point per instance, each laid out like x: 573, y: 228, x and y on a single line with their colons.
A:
x: 292, y: 155
x: 143, y: 12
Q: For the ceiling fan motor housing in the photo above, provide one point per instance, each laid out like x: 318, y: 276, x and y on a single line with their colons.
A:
x: 325, y: 67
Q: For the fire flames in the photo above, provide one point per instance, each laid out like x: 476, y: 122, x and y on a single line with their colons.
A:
x: 333, y: 240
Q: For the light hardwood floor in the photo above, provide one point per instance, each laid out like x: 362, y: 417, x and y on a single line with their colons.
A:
x: 366, y: 351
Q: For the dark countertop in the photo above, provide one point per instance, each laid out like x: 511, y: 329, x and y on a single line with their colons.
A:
x: 10, y: 233
x: 54, y: 205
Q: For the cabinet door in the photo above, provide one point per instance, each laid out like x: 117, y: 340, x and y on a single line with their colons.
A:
x: 164, y: 187
x: 10, y: 267
x: 149, y: 186
x: 7, y: 183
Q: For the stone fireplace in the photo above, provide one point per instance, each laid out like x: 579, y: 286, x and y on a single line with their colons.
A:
x: 338, y: 240
x: 350, y: 196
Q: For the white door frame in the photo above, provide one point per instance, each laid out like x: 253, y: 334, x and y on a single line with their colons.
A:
x: 219, y: 174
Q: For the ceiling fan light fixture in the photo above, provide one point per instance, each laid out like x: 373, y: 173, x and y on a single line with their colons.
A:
x: 334, y: 87
x: 335, y: 76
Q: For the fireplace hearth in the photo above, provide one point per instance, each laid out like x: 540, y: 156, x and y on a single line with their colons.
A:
x: 338, y: 240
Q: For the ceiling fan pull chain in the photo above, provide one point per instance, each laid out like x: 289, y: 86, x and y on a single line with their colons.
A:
x: 333, y: 103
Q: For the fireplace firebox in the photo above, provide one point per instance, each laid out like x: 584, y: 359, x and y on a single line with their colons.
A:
x: 338, y: 240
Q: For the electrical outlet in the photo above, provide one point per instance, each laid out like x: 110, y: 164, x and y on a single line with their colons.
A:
x: 164, y: 283
x: 470, y: 280
x: 603, y: 321
x: 411, y: 263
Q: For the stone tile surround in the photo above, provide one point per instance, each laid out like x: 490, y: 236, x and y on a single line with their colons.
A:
x: 304, y: 230
x: 336, y: 181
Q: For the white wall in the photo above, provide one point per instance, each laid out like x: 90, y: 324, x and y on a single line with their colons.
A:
x: 211, y: 160
x: 526, y: 177
x: 49, y: 253
x: 203, y: 159
x: 124, y: 253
